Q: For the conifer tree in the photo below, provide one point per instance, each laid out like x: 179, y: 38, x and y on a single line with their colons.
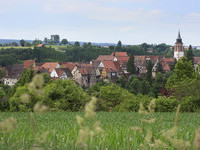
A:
x: 190, y: 55
x: 149, y: 71
x: 131, y: 65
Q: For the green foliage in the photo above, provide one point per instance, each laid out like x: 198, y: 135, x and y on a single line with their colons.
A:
x: 64, y: 41
x: 76, y: 44
x: 111, y: 96
x: 188, y: 87
x: 135, y: 86
x: 2, y: 73
x: 133, y: 104
x: 122, y: 81
x: 22, y: 42
x: 131, y: 65
x: 64, y: 95
x: 145, y: 87
x: 190, y: 104
x: 166, y: 104
x: 149, y: 71
x: 15, y: 101
x: 26, y: 77
x: 119, y: 46
x: 183, y: 71
x: 159, y: 68
x: 158, y: 83
x: 190, y: 55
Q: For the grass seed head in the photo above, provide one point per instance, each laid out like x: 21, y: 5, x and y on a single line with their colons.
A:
x: 36, y: 85
x: 180, y: 144
x: 25, y: 98
x: 97, y: 128
x: 148, y: 121
x: 142, y: 110
x: 170, y: 133
x: 197, y: 140
x: 39, y: 108
x: 137, y: 129
x: 152, y: 106
x: 8, y: 125
x: 83, y: 136
x: 158, y: 144
x: 177, y: 115
x: 90, y: 109
x: 80, y: 120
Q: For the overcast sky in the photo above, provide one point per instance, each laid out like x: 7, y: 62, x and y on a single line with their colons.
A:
x: 131, y: 21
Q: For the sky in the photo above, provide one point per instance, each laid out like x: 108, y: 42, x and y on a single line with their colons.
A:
x: 131, y: 21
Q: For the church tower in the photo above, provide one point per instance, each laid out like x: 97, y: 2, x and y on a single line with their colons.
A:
x: 178, y: 49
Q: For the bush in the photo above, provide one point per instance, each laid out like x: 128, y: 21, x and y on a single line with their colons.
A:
x: 64, y: 95
x: 190, y: 104
x: 133, y: 103
x: 164, y: 104
x: 111, y: 96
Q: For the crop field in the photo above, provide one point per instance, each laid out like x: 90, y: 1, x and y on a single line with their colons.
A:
x: 59, y: 130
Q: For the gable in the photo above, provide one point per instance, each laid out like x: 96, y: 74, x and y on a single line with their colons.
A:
x: 101, y: 65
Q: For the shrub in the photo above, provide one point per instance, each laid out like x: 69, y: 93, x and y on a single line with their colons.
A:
x: 133, y: 103
x: 64, y: 95
x: 111, y: 96
x: 190, y: 104
x: 164, y: 104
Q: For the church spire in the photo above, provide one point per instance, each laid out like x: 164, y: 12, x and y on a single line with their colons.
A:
x: 179, y: 39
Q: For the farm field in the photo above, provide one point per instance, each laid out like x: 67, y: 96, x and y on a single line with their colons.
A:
x: 59, y: 130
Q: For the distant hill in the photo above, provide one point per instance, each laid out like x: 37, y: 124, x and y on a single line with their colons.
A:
x: 3, y: 41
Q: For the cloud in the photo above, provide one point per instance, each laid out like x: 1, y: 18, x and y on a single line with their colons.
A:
x: 98, y: 11
x: 193, y: 18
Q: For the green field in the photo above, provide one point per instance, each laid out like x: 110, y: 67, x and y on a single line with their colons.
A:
x: 63, y: 129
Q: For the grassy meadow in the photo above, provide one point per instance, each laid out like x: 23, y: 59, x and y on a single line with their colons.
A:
x: 59, y: 130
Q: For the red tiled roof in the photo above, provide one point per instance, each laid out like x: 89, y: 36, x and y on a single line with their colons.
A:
x: 28, y: 63
x: 165, y: 66
x: 70, y: 66
x: 83, y: 71
x: 50, y: 65
x: 40, y: 45
x: 105, y: 58
x: 59, y: 71
x: 168, y: 60
x: 196, y: 60
x: 112, y: 66
x: 123, y: 58
x: 119, y: 54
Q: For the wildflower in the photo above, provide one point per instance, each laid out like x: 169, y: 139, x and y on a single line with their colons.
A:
x: 197, y: 140
x: 8, y: 125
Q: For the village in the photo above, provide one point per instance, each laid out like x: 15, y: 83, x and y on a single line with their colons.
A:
x: 106, y: 67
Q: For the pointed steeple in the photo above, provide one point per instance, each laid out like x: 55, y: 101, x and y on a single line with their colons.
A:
x: 179, y: 35
x: 179, y: 39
